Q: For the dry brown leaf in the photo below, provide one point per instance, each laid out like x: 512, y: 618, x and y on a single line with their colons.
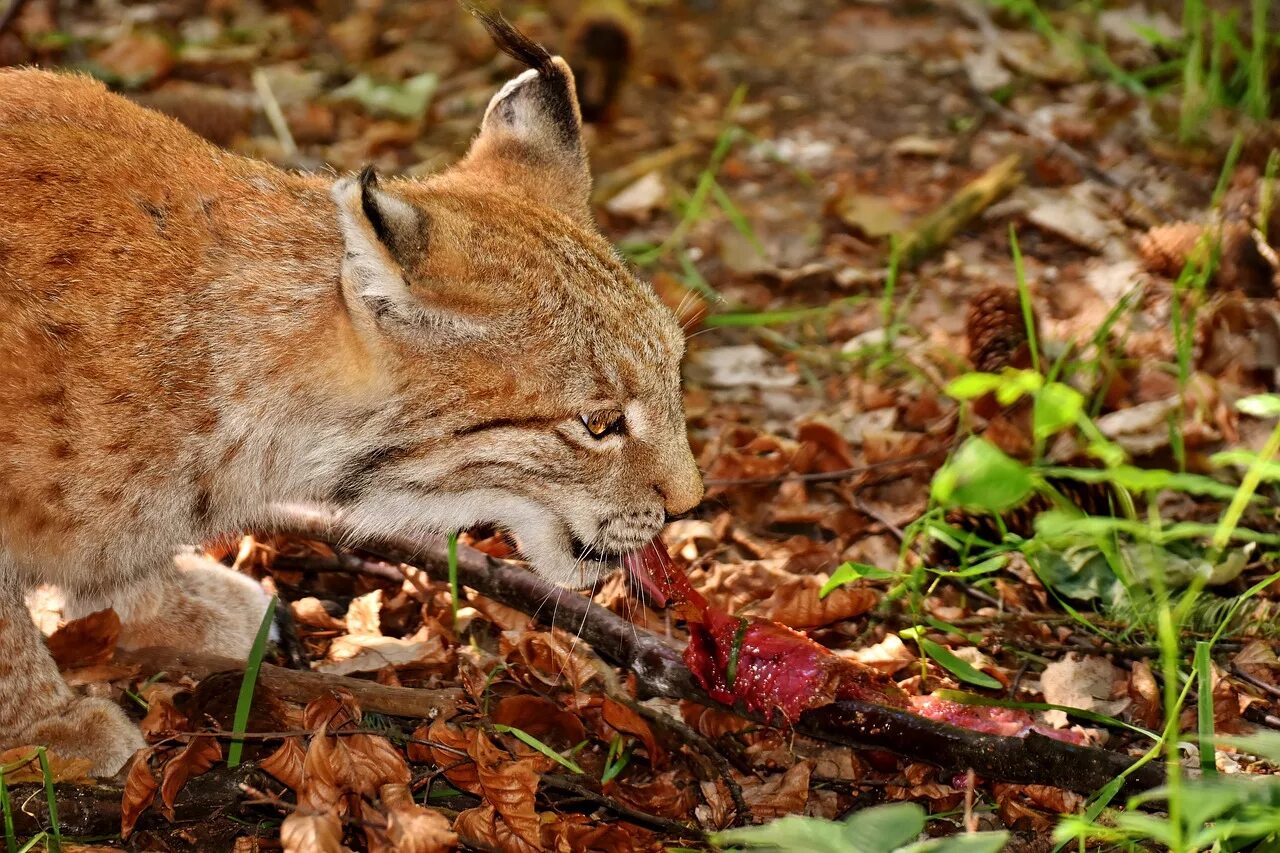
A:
x: 24, y: 766
x: 333, y: 711
x: 195, y: 758
x: 163, y: 720
x: 796, y: 603
x: 1144, y: 696
x: 485, y: 825
x: 285, y: 764
x: 672, y: 794
x: 369, y: 653
x: 713, y: 722
x: 86, y: 642
x: 510, y: 786
x: 410, y: 828
x: 574, y: 833
x: 629, y: 722
x: 312, y: 833
x: 781, y: 795
x: 364, y: 615
x: 140, y: 787
x: 310, y: 612
x: 553, y: 658
x: 542, y: 718
x: 889, y: 656
x: 335, y: 766
x: 449, y: 750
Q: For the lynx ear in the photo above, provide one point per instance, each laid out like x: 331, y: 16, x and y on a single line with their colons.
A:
x: 385, y: 240
x: 531, y: 136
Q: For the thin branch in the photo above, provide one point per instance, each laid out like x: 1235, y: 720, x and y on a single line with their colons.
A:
x: 660, y: 672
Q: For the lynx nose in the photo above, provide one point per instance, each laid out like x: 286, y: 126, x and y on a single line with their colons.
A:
x: 682, y: 491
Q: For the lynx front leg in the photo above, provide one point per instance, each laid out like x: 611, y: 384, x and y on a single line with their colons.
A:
x: 37, y: 708
x: 197, y: 605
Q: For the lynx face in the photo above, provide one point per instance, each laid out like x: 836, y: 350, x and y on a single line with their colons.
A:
x: 537, y: 381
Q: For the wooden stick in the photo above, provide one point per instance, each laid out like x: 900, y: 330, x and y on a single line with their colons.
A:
x: 661, y: 673
x: 301, y: 686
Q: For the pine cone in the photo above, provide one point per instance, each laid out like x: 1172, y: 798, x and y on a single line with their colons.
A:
x: 1166, y: 250
x: 996, y: 330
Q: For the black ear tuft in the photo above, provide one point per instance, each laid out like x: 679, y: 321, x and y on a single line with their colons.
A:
x: 369, y: 203
x: 512, y: 42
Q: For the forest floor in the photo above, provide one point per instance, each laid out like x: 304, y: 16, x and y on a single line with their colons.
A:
x: 982, y: 321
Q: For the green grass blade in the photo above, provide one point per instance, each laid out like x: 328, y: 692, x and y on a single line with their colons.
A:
x: 247, y: 684
x: 532, y: 741
x: 36, y: 839
x: 1204, y: 709
x: 51, y: 798
x: 6, y: 807
x: 453, y: 574
x: 1024, y: 298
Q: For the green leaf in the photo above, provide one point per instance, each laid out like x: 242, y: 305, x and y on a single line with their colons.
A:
x: 532, y: 741
x: 1017, y: 384
x: 1147, y: 480
x: 407, y: 100
x: 972, y: 385
x: 849, y: 572
x: 885, y: 827
x: 952, y: 664
x: 977, y: 842
x: 1260, y: 405
x: 791, y: 834
x: 1057, y: 406
x: 980, y: 476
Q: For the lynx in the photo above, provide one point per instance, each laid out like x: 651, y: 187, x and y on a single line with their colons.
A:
x: 189, y: 338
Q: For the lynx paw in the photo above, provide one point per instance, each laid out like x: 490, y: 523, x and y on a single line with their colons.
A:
x: 204, y: 606
x: 88, y: 727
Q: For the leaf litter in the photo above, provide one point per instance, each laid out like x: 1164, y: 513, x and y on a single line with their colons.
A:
x: 816, y: 396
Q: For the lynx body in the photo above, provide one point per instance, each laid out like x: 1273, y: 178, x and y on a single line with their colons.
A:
x: 188, y: 338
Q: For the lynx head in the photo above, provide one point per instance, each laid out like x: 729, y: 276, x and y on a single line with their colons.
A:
x: 531, y: 381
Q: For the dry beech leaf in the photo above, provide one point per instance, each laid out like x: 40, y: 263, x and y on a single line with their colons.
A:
x: 86, y: 642
x: 629, y: 722
x: 364, y: 615
x: 889, y: 656
x: 163, y: 720
x: 370, y: 653
x: 782, y: 795
x: 312, y: 833
x: 542, y: 718
x: 672, y: 794
x: 485, y: 825
x: 449, y: 750
x: 410, y: 828
x: 509, y: 786
x: 797, y: 604
x: 99, y: 673
x: 310, y: 612
x: 712, y: 722
x: 506, y: 618
x: 195, y: 758
x: 285, y: 764
x: 61, y: 769
x: 335, y: 766
x: 551, y: 657
x: 333, y: 711
x: 140, y: 787
x: 1144, y: 695
x: 574, y: 832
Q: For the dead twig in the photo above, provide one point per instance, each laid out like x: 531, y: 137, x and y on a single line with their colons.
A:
x: 669, y: 827
x: 659, y: 671
x: 301, y: 686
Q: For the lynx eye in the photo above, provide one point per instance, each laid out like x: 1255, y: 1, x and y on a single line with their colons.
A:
x: 603, y: 423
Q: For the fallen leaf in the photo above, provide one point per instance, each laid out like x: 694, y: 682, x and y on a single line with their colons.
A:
x: 411, y: 828
x: 285, y: 764
x: 89, y: 641
x: 195, y: 758
x: 1088, y: 683
x: 140, y: 787
x: 312, y: 833
x: 510, y: 786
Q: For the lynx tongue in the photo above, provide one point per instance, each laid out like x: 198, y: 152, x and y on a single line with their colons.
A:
x: 665, y: 585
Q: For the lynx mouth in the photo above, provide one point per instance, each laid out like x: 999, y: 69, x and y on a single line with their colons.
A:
x: 594, y: 553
